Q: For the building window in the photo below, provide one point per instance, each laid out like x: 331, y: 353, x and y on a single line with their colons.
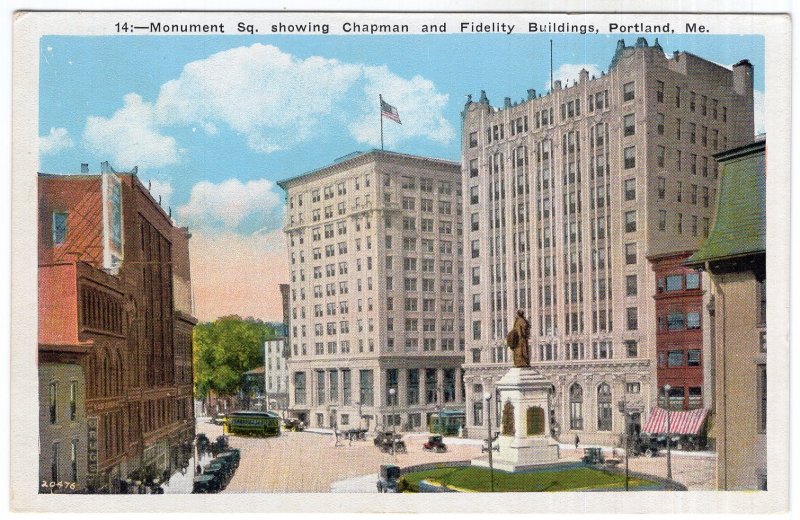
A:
x: 430, y: 386
x: 674, y: 282
x: 662, y: 220
x: 53, y: 397
x: 477, y: 411
x: 675, y: 358
x: 660, y: 91
x: 300, y: 387
x: 631, y: 286
x: 412, y: 389
x: 476, y: 330
x: 633, y: 388
x: 693, y: 358
x: 693, y: 320
x: 630, y: 124
x: 692, y: 281
x: 54, y: 456
x: 366, y: 393
x: 59, y: 228
x: 632, y: 318
x: 628, y: 91
x: 662, y: 187
x: 604, y: 420
x: 630, y: 253
x: 630, y: 189
x: 762, y: 398
x: 576, y: 407
x: 73, y: 400
x: 476, y: 355
x: 631, y: 348
x: 630, y: 157
x: 630, y: 221
x: 695, y: 397
x: 73, y: 459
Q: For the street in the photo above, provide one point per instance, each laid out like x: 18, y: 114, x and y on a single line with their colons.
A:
x: 309, y: 462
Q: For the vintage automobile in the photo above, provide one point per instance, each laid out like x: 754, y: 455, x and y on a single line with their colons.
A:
x: 220, y: 470
x: 356, y: 434
x: 435, y: 443
x: 387, y: 480
x: 390, y: 442
x: 644, y: 445
x: 231, y: 457
x: 293, y: 425
x: 206, y: 483
x: 593, y: 456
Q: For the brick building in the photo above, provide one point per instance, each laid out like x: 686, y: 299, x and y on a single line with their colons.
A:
x: 115, y: 332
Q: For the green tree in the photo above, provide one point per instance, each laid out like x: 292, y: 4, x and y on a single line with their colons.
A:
x: 225, y: 349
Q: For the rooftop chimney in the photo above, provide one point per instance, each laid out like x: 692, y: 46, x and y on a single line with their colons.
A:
x: 84, y: 167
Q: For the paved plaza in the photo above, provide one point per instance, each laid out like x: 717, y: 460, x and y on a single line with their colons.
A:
x: 309, y: 462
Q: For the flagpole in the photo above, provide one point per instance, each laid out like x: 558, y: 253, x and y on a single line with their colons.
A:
x: 380, y: 111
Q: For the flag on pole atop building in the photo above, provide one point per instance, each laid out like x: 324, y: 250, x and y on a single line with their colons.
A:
x: 389, y: 111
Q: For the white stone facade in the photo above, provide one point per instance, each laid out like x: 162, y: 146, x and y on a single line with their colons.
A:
x: 375, y: 250
x: 566, y: 195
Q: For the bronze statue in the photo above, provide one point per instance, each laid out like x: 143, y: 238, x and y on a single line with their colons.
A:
x: 517, y: 340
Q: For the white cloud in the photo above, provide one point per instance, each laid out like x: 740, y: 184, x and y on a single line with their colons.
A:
x: 233, y: 205
x: 571, y: 72
x: 131, y: 137
x: 58, y: 139
x: 758, y: 111
x: 276, y: 100
x: 161, y: 189
x: 420, y: 106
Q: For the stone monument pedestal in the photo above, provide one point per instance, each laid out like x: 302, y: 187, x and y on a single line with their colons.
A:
x: 524, y: 439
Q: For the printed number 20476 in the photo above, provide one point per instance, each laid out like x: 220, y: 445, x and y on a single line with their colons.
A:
x: 61, y: 484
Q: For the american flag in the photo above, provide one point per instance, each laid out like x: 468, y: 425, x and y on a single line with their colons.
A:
x: 389, y: 111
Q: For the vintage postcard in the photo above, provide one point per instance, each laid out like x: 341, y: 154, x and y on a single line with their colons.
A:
x: 294, y: 260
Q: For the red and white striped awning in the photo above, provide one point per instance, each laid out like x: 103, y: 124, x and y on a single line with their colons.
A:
x: 680, y: 422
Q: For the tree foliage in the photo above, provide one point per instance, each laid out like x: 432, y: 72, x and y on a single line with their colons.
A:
x: 225, y: 349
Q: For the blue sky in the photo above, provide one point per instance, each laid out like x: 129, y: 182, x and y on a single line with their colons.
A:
x: 213, y: 121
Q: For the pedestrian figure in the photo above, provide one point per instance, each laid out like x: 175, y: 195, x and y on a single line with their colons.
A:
x: 577, y: 441
x: 350, y: 439
x: 336, y: 437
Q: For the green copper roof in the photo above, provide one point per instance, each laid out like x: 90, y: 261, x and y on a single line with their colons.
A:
x: 740, y: 226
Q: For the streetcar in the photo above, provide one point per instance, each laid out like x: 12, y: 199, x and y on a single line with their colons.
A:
x: 262, y: 424
x: 447, y: 422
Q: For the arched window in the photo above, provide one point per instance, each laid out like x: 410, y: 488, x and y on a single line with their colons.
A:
x: 604, y: 407
x: 576, y: 407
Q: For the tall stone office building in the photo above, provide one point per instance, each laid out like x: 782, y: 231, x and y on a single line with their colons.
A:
x: 567, y: 195
x: 375, y: 247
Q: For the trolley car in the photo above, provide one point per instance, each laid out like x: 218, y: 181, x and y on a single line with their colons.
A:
x: 262, y: 424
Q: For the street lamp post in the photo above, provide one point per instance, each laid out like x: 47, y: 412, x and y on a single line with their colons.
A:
x: 392, y: 393
x: 488, y: 398
x: 624, y: 409
x: 667, y: 388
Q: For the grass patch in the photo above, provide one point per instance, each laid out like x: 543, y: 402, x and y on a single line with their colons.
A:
x: 478, y: 479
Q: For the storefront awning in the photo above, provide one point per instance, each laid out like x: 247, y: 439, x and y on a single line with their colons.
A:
x: 680, y: 422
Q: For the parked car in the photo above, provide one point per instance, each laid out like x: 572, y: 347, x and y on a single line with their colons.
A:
x: 206, y: 483
x: 593, y: 456
x: 293, y: 425
x: 390, y: 442
x: 218, y: 419
x: 435, y: 443
x: 387, y: 480
x: 359, y: 434
x: 644, y: 445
